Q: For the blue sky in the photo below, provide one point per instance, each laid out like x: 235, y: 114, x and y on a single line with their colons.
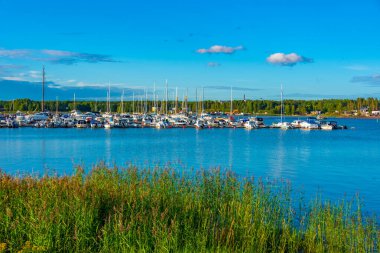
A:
x: 316, y: 49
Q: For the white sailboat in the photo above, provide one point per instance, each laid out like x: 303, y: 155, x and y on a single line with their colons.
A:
x: 282, y: 124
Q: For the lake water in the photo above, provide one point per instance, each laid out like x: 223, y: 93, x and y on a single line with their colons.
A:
x: 336, y: 163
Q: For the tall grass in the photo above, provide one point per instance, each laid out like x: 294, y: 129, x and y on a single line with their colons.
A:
x: 162, y: 210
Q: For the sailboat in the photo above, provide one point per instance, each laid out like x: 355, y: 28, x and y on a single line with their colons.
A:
x: 108, y: 115
x: 282, y: 124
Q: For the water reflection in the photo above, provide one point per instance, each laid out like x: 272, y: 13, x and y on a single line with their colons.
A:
x: 341, y: 161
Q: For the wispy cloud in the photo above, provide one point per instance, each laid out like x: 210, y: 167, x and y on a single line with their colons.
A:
x: 12, y: 78
x: 370, y: 80
x: 213, y: 64
x: 217, y: 49
x: 56, y: 56
x: 8, y: 73
x: 287, y: 59
x: 356, y: 67
x: 14, y: 53
x: 13, y: 88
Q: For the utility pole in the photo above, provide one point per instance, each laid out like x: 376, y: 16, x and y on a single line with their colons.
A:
x: 43, y: 89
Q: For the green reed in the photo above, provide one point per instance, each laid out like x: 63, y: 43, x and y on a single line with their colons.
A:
x: 163, y: 210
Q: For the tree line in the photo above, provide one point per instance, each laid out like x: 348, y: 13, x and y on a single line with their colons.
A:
x: 291, y: 107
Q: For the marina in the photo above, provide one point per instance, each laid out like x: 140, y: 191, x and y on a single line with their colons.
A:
x: 77, y: 119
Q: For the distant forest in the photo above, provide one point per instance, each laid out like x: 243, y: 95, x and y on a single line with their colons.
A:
x: 291, y: 107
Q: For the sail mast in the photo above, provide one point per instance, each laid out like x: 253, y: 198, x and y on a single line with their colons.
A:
x: 56, y: 105
x: 109, y: 96
x: 231, y: 107
x: 282, y: 105
x: 43, y: 89
x: 133, y: 103
x: 203, y: 99
x: 122, y: 102
x: 196, y: 101
x: 154, y: 96
x: 176, y: 100
x: 166, y: 97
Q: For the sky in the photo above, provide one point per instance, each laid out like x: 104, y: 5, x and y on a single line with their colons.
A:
x: 315, y: 49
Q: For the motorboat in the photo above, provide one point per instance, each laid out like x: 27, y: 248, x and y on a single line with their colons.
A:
x: 250, y: 125
x: 81, y: 124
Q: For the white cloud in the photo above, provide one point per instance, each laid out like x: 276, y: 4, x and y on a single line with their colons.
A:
x: 57, y: 52
x: 35, y: 74
x: 217, y: 49
x: 12, y: 78
x: 287, y: 59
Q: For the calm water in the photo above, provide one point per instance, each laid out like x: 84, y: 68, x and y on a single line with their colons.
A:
x: 333, y: 162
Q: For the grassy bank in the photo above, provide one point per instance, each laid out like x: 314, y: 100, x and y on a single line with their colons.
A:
x: 123, y: 210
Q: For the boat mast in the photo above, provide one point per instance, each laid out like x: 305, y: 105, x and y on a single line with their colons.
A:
x: 43, y: 89
x: 107, y: 102
x: 196, y: 101
x: 154, y: 96
x: 183, y: 102
x: 56, y: 105
x: 122, y: 102
x: 146, y: 100
x: 133, y: 103
x: 176, y: 100
x: 186, y: 99
x: 203, y: 99
x: 166, y: 97
x: 109, y: 97
x: 75, y: 107
x: 231, y: 107
x: 282, y: 105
